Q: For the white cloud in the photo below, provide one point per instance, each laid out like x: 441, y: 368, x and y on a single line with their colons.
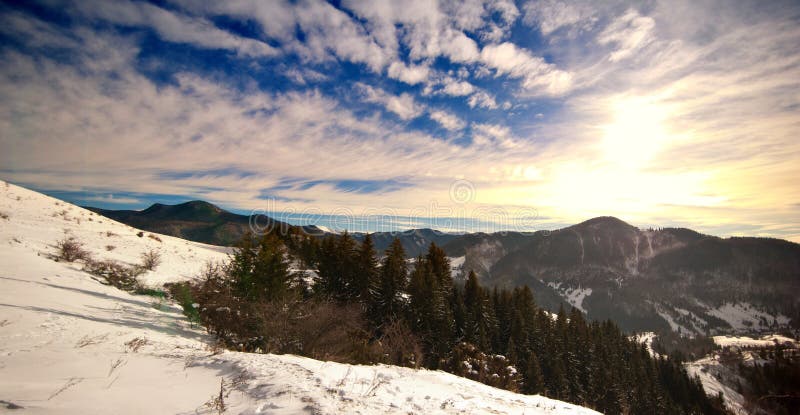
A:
x: 304, y: 76
x: 403, y: 105
x: 447, y: 120
x: 552, y: 15
x: 171, y: 26
x: 493, y: 133
x: 629, y: 33
x: 457, y: 88
x: 538, y: 76
x: 483, y: 100
x: 410, y: 74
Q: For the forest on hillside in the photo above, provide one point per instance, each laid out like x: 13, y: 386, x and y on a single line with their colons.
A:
x: 358, y: 308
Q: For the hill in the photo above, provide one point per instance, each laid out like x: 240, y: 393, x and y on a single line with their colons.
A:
x: 650, y: 280
x: 71, y: 345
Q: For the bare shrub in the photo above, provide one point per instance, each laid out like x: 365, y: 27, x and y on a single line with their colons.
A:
x: 399, y: 346
x: 115, y: 274
x: 154, y: 237
x: 110, y: 234
x: 91, y: 340
x: 70, y: 250
x: 217, y: 402
x: 135, y: 344
x: 3, y: 215
x: 110, y: 248
x: 151, y: 259
x: 318, y: 329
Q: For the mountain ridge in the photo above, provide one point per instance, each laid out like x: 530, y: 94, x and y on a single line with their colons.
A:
x: 660, y: 279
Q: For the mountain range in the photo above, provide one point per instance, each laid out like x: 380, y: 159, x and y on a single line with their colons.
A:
x: 668, y: 279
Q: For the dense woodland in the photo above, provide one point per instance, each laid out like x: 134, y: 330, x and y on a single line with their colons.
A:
x: 772, y: 387
x: 359, y: 309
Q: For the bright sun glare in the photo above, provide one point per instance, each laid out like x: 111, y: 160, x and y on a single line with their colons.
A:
x: 636, y: 133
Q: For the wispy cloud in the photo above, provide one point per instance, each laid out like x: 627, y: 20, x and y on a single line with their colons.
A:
x: 662, y: 112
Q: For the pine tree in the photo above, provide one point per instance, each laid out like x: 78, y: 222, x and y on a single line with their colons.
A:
x: 476, y: 326
x: 366, y: 273
x: 260, y: 271
x: 534, y: 381
x: 387, y: 303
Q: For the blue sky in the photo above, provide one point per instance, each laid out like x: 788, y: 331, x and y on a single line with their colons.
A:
x: 658, y: 112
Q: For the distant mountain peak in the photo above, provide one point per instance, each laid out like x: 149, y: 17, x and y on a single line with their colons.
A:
x: 604, y: 222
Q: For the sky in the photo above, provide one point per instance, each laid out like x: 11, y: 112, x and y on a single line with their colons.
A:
x: 378, y: 115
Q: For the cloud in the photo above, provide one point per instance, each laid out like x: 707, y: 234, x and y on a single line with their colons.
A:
x: 170, y: 26
x: 538, y: 76
x: 410, y: 74
x: 447, y: 120
x: 403, y: 105
x: 482, y: 99
x: 111, y: 199
x: 457, y: 88
x: 499, y: 135
x: 629, y: 33
x: 713, y: 87
x: 552, y: 15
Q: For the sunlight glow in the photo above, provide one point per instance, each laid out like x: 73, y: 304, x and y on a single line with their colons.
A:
x: 636, y: 134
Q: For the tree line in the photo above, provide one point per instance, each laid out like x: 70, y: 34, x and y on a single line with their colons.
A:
x: 358, y: 308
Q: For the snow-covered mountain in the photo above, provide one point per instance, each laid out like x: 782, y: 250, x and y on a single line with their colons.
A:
x: 71, y: 345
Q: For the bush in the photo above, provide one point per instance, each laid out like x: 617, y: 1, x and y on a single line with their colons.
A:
x: 182, y: 293
x: 116, y: 274
x: 399, y: 346
x: 3, y: 215
x: 154, y: 237
x: 70, y: 250
x: 151, y: 259
x: 491, y: 369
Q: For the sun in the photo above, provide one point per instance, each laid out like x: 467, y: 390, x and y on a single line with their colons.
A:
x: 635, y: 134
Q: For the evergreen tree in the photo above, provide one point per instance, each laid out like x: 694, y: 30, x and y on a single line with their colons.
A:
x: 387, y: 302
x: 260, y: 271
x: 476, y: 327
x: 366, y: 273
x: 534, y: 381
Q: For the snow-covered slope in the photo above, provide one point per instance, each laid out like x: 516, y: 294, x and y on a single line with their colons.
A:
x: 71, y: 345
x: 717, y: 377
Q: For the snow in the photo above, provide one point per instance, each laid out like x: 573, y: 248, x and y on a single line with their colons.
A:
x: 673, y: 325
x: 71, y: 345
x: 716, y: 378
x: 573, y: 296
x: 457, y: 262
x: 646, y: 338
x: 36, y: 222
x: 745, y: 317
x: 764, y: 341
x: 576, y: 296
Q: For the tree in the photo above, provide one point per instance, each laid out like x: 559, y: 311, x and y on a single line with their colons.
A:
x: 387, y: 302
x: 260, y: 271
x: 534, y: 381
x: 476, y: 330
x: 366, y: 273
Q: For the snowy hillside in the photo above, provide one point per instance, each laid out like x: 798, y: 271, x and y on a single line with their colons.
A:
x: 69, y: 344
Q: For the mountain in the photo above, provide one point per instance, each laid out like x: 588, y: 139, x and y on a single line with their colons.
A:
x: 643, y: 279
x: 207, y: 223
x: 655, y: 280
x: 415, y: 241
x: 197, y: 221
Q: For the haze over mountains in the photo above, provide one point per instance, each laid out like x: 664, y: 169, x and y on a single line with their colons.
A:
x: 654, y: 279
